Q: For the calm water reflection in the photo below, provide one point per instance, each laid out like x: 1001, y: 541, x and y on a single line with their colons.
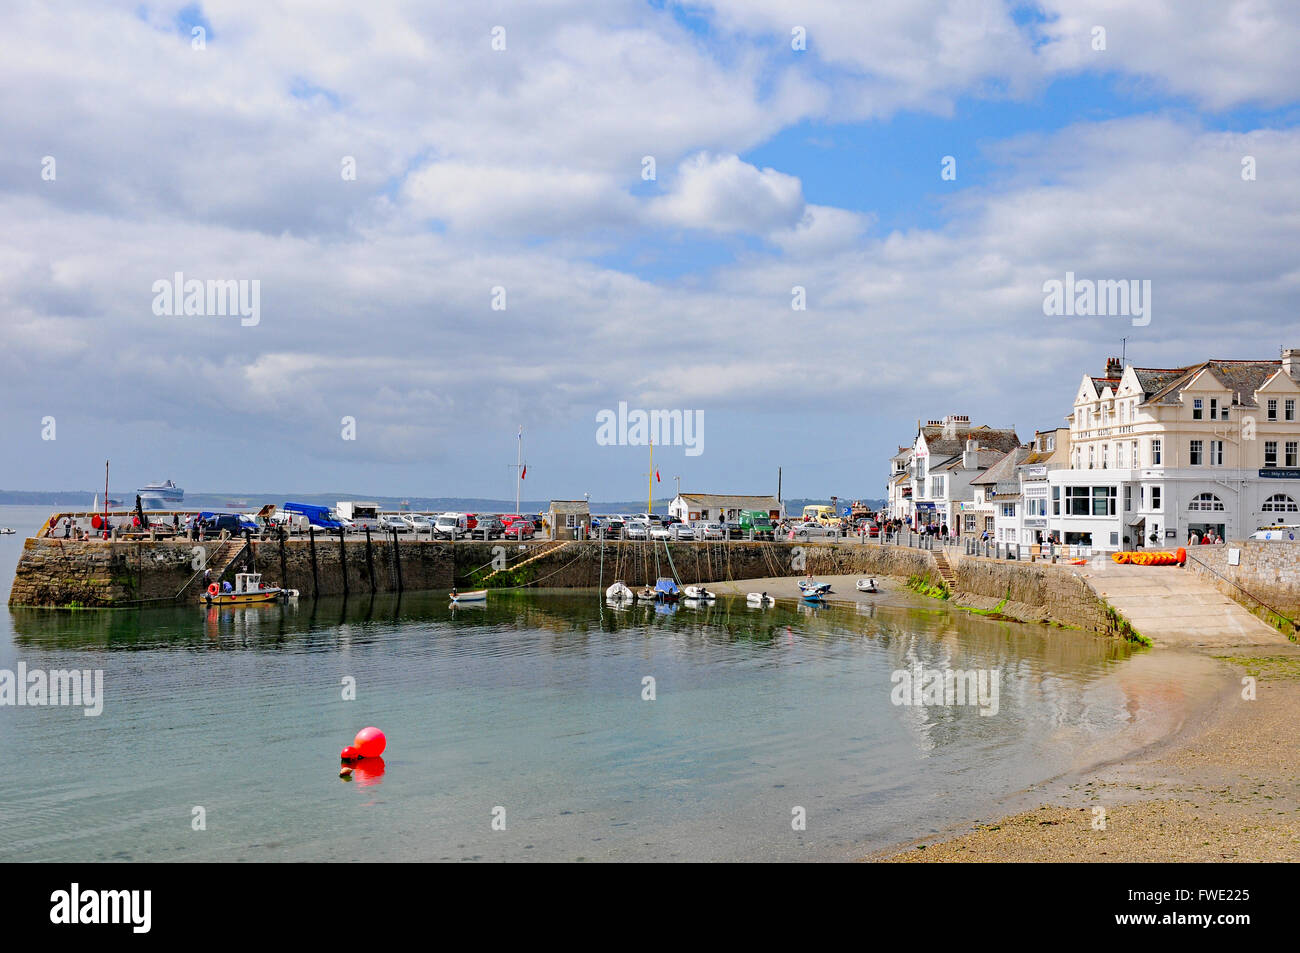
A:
x: 534, y: 703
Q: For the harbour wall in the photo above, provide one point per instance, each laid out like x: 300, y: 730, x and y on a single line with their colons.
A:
x: 1266, y: 579
x: 101, y: 573
x: 98, y: 573
x: 1034, y: 592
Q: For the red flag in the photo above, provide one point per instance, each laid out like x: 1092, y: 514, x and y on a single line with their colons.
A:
x: 657, y: 480
x: 523, y: 474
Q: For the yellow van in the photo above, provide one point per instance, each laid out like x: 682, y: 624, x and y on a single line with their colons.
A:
x: 825, y: 515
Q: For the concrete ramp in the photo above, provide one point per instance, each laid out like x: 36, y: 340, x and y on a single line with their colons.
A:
x: 1175, y: 607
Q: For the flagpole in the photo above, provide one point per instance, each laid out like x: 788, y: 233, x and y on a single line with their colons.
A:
x: 519, y: 459
x: 650, y: 483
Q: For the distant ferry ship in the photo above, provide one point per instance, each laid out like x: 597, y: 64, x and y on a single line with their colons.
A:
x: 167, y: 491
x: 236, y: 504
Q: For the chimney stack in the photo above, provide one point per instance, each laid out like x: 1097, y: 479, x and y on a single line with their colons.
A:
x: 1291, y: 362
x: 1114, y: 368
x: 970, y: 457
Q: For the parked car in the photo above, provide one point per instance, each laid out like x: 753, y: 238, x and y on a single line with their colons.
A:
x: 637, y: 530
x: 394, y: 521
x: 709, y: 530
x: 680, y: 530
x: 520, y: 526
x: 420, y: 524
x: 495, y: 528
x: 660, y: 531
x: 813, y: 531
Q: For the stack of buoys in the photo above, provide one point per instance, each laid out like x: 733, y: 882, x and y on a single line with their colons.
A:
x: 1151, y: 557
x: 369, y: 743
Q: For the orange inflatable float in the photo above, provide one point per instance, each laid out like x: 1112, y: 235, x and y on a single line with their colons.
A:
x: 1151, y: 557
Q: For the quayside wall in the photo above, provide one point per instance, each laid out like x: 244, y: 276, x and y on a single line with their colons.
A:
x: 98, y: 573
x: 1033, y: 592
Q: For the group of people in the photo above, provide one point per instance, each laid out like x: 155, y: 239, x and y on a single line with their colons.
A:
x: 1196, y: 539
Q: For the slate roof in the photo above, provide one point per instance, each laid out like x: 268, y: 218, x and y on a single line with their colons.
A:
x: 1003, y: 469
x: 984, y: 458
x: 1164, y: 385
x: 952, y: 442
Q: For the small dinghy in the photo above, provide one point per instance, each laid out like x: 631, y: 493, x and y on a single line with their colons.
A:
x: 699, y: 593
x: 867, y: 585
x: 619, y: 591
x: 478, y: 595
x: 645, y: 594
x: 808, y: 586
x: 759, y: 599
x: 6, y: 531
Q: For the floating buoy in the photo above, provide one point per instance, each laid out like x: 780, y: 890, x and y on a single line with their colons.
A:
x: 212, y: 589
x: 370, y: 742
x: 350, y: 753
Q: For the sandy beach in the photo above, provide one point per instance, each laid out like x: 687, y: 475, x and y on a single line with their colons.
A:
x: 1221, y: 789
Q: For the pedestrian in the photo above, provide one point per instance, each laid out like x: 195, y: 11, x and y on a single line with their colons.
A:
x: 67, y: 526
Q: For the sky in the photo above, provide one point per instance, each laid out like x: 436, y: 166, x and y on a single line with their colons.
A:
x: 448, y: 214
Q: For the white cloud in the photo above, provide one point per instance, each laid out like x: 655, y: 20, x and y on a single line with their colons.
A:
x: 724, y: 194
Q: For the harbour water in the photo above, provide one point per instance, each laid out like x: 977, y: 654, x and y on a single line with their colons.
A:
x: 535, y: 704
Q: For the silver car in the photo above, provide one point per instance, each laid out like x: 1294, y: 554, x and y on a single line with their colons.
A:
x: 682, y: 531
x: 636, y: 530
x: 815, y: 530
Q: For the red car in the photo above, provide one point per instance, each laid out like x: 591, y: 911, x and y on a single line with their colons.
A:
x: 873, y: 528
x: 517, y: 525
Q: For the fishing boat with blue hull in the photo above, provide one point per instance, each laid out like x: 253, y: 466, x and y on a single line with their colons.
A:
x: 812, y: 587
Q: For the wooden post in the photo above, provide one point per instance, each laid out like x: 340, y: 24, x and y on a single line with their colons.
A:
x: 370, y: 560
x: 343, y: 560
x: 315, y: 576
x: 284, y: 572
x: 397, y: 561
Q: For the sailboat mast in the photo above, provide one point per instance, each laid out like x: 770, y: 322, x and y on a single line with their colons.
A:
x: 106, y: 492
x: 650, y: 483
x: 519, y: 459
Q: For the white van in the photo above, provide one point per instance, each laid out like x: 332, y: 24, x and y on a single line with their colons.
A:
x: 1283, y: 533
x: 451, y: 525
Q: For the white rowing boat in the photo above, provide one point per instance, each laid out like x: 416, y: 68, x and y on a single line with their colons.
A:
x: 478, y: 595
x: 759, y: 599
x: 698, y: 592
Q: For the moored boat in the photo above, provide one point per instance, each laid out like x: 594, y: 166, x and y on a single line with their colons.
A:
x: 666, y: 590
x: 811, y: 585
x: 759, y: 599
x: 867, y: 585
x: 620, y: 590
x: 476, y: 595
x: 698, y: 592
x: 248, y: 590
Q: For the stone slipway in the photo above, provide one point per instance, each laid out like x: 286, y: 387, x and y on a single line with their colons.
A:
x: 1172, y: 606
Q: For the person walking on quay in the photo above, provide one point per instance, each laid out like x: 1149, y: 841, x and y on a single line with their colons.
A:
x: 67, y: 526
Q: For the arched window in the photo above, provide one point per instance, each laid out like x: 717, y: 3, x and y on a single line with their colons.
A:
x: 1280, y: 503
x: 1206, y: 501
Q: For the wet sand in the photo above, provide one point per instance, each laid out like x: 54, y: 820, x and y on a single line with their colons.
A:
x: 1221, y: 789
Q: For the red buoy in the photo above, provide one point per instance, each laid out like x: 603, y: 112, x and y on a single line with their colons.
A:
x: 350, y: 753
x: 370, y: 742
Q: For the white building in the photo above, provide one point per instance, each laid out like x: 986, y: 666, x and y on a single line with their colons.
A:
x: 1157, y: 454
x: 946, y: 456
x: 691, y: 507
